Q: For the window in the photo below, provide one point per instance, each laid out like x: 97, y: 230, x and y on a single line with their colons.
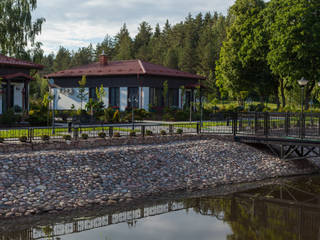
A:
x: 156, y: 97
x: 133, y: 92
x: 173, y: 97
x: 114, y: 97
x: 92, y: 94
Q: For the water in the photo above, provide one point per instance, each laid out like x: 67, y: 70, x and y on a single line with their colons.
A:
x: 285, y: 209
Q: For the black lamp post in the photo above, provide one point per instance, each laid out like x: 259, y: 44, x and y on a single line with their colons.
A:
x: 132, y: 100
x: 302, y: 82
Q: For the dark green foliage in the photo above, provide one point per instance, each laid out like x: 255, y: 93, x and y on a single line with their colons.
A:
x: 163, y: 132
x: 1, y: 139
x: 132, y: 133
x: 9, y: 117
x: 67, y: 137
x: 102, y: 134
x: 116, y: 134
x: 179, y: 131
x: 45, y: 137
x: 84, y: 136
x: 149, y: 133
x: 23, y: 139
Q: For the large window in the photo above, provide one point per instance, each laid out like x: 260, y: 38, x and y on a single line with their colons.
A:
x: 92, y: 94
x: 133, y: 94
x: 114, y: 97
x: 156, y: 97
x: 173, y: 97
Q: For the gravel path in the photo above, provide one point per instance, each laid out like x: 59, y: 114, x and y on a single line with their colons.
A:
x: 52, y: 181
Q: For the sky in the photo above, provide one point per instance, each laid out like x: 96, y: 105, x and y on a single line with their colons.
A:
x: 77, y: 23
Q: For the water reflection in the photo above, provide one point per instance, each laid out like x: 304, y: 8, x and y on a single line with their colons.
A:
x: 289, y: 210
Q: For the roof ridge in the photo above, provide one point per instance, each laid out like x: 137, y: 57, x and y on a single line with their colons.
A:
x: 142, y: 67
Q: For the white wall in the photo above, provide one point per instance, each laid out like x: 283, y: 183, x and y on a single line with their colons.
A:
x: 65, y: 99
x: 123, y: 98
x: 145, y: 98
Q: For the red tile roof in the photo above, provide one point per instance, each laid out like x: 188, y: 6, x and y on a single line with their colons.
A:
x: 9, y: 61
x: 128, y: 67
x: 17, y: 75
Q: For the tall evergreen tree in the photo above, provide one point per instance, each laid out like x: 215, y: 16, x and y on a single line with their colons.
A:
x: 124, y: 45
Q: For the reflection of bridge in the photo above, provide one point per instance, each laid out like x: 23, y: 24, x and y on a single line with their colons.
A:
x: 80, y: 225
x: 288, y: 135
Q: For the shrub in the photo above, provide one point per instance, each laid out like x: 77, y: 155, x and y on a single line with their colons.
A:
x: 84, y: 136
x: 23, y: 139
x: 8, y: 117
x: 1, y: 140
x: 163, y: 132
x: 116, y: 134
x: 149, y: 133
x: 132, y: 133
x: 102, y: 134
x: 116, y: 117
x: 45, y: 137
x: 67, y: 137
x: 179, y: 131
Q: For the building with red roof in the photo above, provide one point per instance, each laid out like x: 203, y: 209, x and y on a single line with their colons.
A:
x: 125, y: 82
x: 15, y: 78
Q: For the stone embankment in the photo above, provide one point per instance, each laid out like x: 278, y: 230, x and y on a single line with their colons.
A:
x: 53, y: 181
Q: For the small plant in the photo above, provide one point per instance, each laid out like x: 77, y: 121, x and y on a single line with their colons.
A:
x: 116, y: 134
x: 67, y: 137
x: 45, y: 137
x: 84, y: 136
x: 149, y: 133
x: 1, y: 140
x: 23, y: 139
x: 132, y: 133
x: 179, y: 131
x: 102, y: 134
x: 163, y: 132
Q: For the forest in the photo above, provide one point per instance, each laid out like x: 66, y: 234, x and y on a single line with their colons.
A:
x: 258, y: 51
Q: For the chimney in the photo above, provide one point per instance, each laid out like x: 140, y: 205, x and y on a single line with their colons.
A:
x: 103, y: 59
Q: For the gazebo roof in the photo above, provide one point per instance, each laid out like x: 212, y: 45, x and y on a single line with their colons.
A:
x: 9, y: 61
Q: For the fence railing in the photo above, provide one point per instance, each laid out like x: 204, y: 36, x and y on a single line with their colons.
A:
x: 251, y: 123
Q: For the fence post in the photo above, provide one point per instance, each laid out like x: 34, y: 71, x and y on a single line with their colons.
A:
x: 143, y: 129
x: 75, y: 133
x: 234, y: 124
x: 30, y: 134
x: 198, y: 128
x: 110, y: 131
x: 266, y: 124
x: 255, y: 123
x: 171, y: 129
x: 286, y: 124
x: 69, y: 127
x: 318, y: 125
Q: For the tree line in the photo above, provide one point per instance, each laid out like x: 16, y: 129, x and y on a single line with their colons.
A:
x: 258, y: 50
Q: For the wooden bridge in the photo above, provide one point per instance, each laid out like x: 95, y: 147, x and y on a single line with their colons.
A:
x: 288, y: 135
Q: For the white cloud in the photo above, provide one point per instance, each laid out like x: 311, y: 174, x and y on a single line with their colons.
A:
x: 76, y: 23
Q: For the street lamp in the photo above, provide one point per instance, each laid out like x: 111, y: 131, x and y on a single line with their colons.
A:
x: 302, y: 82
x: 132, y: 100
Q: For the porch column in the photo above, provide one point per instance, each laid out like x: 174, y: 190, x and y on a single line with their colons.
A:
x: 26, y: 96
x: 8, y: 95
x: 145, y: 98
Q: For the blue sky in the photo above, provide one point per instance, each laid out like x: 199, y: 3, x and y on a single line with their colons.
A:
x: 77, y: 23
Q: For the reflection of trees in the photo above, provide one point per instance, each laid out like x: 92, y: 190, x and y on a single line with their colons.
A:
x: 280, y: 212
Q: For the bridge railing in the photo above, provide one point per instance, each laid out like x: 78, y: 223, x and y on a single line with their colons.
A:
x: 277, y: 124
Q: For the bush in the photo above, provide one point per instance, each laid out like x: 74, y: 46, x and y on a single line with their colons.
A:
x: 67, y: 137
x: 116, y: 134
x: 84, y: 136
x: 108, y: 114
x: 9, y: 117
x: 116, y: 117
x: 132, y: 133
x: 149, y: 133
x: 102, y: 134
x: 179, y: 131
x: 45, y: 137
x: 1, y: 140
x: 23, y: 139
x: 163, y: 132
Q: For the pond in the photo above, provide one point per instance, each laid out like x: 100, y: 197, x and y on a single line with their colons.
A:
x: 280, y: 209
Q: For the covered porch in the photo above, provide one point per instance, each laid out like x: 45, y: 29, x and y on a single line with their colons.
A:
x: 14, y: 92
